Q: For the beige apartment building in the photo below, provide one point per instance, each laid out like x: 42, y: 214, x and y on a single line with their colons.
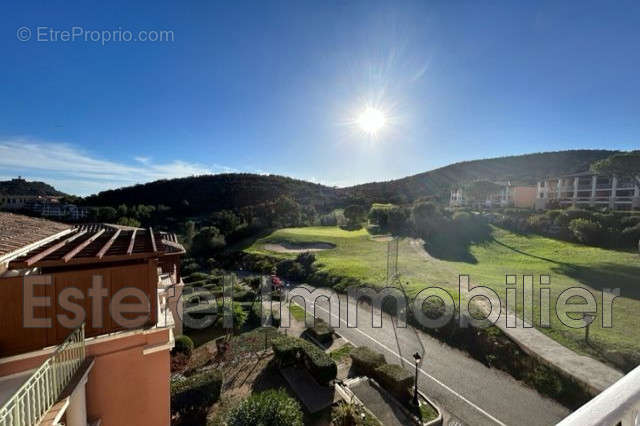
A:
x: 104, y: 360
x: 588, y: 189
x: 520, y: 196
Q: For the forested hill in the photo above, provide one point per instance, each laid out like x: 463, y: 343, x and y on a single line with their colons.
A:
x: 520, y: 168
x: 233, y: 191
x: 216, y: 192
x: 22, y: 187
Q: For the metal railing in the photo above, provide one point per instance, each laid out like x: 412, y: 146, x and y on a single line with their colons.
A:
x: 619, y: 404
x: 40, y: 392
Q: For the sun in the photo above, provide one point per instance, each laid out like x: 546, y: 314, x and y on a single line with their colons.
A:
x: 371, y: 120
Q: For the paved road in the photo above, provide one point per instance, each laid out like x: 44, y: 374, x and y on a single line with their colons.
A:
x: 465, y: 388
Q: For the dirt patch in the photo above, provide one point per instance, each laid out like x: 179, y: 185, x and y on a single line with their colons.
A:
x: 381, y: 238
x: 289, y: 247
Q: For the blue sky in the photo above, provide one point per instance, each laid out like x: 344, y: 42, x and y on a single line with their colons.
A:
x: 274, y: 87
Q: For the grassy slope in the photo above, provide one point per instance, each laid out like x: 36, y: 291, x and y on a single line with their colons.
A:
x: 360, y: 255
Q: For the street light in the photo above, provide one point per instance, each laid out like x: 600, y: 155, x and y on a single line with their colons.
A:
x: 588, y: 319
x: 418, y: 359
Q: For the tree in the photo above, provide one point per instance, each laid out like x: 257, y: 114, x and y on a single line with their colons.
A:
x: 624, y: 165
x: 480, y: 190
x: 427, y: 218
x: 122, y: 210
x: 107, y: 214
x: 207, y: 240
x: 127, y: 221
x: 189, y: 232
x: 354, y: 214
x: 226, y: 221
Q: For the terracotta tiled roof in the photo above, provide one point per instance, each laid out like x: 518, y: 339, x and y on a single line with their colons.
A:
x: 17, y: 231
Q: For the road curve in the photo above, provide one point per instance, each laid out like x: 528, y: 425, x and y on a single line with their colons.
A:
x: 468, y: 391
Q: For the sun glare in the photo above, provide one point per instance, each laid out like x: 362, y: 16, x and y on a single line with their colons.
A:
x: 371, y: 120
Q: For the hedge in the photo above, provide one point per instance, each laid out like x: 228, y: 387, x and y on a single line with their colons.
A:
x: 290, y: 350
x: 195, y: 392
x: 321, y: 366
x: 286, y: 350
x: 321, y: 331
x: 366, y: 360
x: 183, y: 345
x: 395, y: 379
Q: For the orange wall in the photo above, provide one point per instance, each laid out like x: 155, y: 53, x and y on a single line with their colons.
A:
x: 524, y: 196
x: 126, y: 387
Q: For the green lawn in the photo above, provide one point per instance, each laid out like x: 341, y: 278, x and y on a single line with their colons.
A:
x: 363, y: 256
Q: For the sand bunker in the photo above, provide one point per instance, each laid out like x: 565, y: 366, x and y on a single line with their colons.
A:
x: 288, y: 247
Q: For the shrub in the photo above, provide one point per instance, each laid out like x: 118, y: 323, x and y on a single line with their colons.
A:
x: 183, y: 345
x: 306, y: 259
x: 255, y: 315
x: 366, y: 360
x: 395, y: 379
x: 321, y: 331
x: 586, y: 231
x: 631, y: 235
x: 539, y: 222
x: 291, y: 269
x: 198, y: 276
x: 244, y: 296
x: 286, y: 350
x: 321, y: 366
x: 273, y: 408
x: 196, y: 391
x: 289, y: 350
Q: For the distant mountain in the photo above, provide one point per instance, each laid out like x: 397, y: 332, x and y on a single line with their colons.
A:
x: 229, y: 191
x: 216, y: 192
x: 526, y: 169
x: 21, y: 186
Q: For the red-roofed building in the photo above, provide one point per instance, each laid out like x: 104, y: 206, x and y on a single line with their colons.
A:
x: 88, y: 320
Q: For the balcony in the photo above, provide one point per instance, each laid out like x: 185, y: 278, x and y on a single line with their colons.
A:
x: 31, y: 401
x: 617, y: 405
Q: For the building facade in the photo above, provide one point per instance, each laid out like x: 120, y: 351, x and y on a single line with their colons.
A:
x: 520, y: 196
x: 88, y: 321
x: 588, y: 190
x: 50, y: 207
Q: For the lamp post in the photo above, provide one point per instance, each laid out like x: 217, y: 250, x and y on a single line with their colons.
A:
x: 588, y: 319
x: 418, y: 359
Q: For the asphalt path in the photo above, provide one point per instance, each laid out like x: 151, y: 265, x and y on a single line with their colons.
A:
x: 468, y: 391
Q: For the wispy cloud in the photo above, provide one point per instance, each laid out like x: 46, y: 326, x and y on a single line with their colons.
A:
x: 73, y: 170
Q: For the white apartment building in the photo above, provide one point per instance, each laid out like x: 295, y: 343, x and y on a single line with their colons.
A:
x: 588, y: 190
x: 509, y: 195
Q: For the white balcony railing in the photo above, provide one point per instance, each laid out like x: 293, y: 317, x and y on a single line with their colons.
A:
x: 619, y: 404
x: 37, y: 395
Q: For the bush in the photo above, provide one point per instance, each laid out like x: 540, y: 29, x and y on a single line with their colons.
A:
x: 183, y: 345
x: 631, y: 235
x: 273, y: 408
x: 196, y: 392
x: 321, y: 366
x: 321, y: 331
x: 289, y: 350
x: 539, y: 222
x: 395, y: 379
x: 291, y: 269
x: 198, y: 276
x: 586, y: 231
x: 286, y: 350
x: 244, y: 296
x: 306, y: 259
x: 366, y: 360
